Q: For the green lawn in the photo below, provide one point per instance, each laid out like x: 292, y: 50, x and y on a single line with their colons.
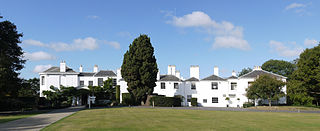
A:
x: 6, y: 118
x: 193, y: 120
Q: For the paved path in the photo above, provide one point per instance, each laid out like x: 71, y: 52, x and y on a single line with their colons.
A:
x: 37, y: 122
x: 228, y: 109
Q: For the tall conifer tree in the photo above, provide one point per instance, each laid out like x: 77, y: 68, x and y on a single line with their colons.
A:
x: 139, y: 68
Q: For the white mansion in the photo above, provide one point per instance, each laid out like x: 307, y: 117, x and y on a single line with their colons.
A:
x: 210, y: 91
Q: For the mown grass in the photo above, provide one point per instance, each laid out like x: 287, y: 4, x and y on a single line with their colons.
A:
x: 177, y: 119
x: 288, y: 108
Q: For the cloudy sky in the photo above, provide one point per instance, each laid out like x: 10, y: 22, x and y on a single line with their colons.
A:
x: 229, y: 34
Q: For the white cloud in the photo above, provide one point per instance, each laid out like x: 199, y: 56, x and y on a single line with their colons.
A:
x: 310, y: 42
x: 88, y: 43
x: 226, y: 34
x: 41, y: 68
x: 295, y: 5
x: 285, y: 50
x: 36, y: 56
x: 93, y: 17
x: 114, y: 44
x: 34, y: 43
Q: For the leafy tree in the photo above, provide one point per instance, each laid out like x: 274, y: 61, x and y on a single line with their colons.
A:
x: 244, y: 71
x: 280, y: 67
x: 11, y: 60
x: 30, y: 88
x: 139, y: 68
x: 266, y: 87
x: 107, y: 91
x: 307, y: 75
x: 64, y: 95
x: 298, y: 94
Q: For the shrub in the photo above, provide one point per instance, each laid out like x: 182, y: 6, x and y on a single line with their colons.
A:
x: 194, y: 102
x: 166, y: 101
x: 127, y: 99
x: 118, y: 94
x: 248, y: 104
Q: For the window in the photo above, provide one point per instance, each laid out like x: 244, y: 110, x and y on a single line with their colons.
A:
x: 193, y: 86
x: 233, y: 85
x: 100, y: 81
x: 204, y: 100
x: 176, y: 86
x: 224, y: 95
x: 90, y: 83
x: 163, y: 85
x: 42, y: 80
x: 249, y: 83
x: 114, y: 82
x: 214, y: 85
x: 214, y: 99
x: 189, y: 98
x: 81, y: 83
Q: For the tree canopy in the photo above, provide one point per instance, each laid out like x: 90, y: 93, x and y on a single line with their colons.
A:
x: 307, y: 77
x: 11, y: 60
x: 139, y: 68
x: 244, y: 71
x: 280, y: 67
x: 266, y: 87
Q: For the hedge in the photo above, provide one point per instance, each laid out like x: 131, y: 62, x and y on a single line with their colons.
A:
x: 194, y: 101
x: 166, y: 101
x: 247, y: 104
x: 127, y: 99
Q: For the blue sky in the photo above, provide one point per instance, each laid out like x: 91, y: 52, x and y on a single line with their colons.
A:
x: 229, y: 34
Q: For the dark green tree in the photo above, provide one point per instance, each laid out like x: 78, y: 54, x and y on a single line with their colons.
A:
x: 307, y: 75
x: 266, y: 87
x: 30, y: 88
x: 139, y: 68
x: 244, y: 71
x: 280, y: 67
x: 109, y: 89
x: 11, y: 60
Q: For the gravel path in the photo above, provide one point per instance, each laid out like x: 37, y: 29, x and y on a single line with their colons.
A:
x: 37, y: 122
x: 227, y: 109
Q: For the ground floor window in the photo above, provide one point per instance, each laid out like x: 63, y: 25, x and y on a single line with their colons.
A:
x: 163, y: 85
x: 189, y: 98
x: 90, y: 83
x: 204, y: 100
x: 214, y: 99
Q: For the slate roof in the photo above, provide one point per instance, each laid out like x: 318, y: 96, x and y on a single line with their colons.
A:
x: 214, y: 78
x: 232, y: 77
x: 256, y: 73
x: 169, y: 78
x: 57, y: 69
x: 192, y: 79
x: 105, y: 73
x: 86, y: 74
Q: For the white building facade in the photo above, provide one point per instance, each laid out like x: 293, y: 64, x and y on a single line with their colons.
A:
x: 211, y: 91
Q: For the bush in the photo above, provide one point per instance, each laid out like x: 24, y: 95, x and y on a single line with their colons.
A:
x: 127, y: 99
x: 166, y: 101
x: 118, y: 94
x: 194, y: 101
x: 248, y: 104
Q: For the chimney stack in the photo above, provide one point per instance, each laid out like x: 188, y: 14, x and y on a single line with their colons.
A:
x: 234, y: 73
x: 95, y: 68
x: 194, y: 71
x: 216, y: 71
x: 119, y: 73
x: 80, y: 68
x: 177, y: 74
x: 63, y: 66
x: 257, y: 68
x: 158, y: 75
x: 171, y: 70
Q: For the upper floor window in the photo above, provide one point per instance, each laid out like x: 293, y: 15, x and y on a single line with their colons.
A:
x: 163, y: 85
x: 214, y: 85
x: 193, y: 86
x: 233, y: 85
x: 100, y: 81
x: 42, y: 80
x: 114, y: 82
x: 81, y: 83
x: 90, y: 83
x: 215, y: 100
x: 176, y: 86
